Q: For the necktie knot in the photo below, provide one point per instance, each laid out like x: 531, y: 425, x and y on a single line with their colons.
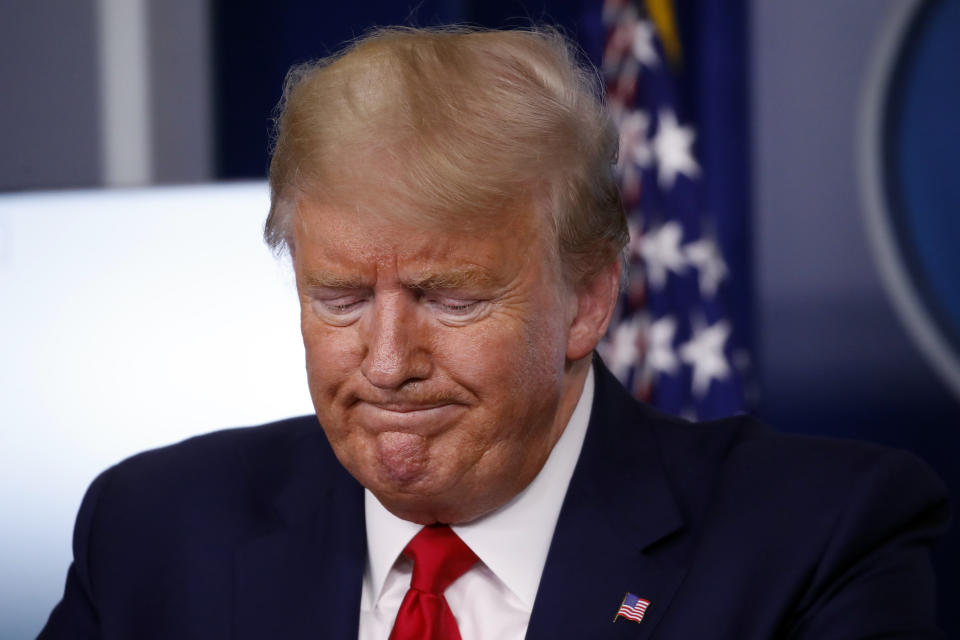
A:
x: 439, y: 558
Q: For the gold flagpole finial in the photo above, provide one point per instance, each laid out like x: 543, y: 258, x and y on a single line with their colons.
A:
x: 662, y: 14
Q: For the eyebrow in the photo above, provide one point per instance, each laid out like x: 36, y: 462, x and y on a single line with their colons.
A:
x: 453, y: 279
x: 457, y: 278
x: 328, y: 280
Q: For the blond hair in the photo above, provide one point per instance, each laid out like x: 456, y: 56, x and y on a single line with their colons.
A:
x: 453, y: 125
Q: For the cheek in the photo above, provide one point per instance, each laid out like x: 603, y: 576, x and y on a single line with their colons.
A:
x: 321, y: 340
x: 328, y: 369
x: 330, y: 361
x: 508, y: 365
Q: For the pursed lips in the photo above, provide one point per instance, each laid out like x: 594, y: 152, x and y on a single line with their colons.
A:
x: 403, y: 407
x: 405, y: 416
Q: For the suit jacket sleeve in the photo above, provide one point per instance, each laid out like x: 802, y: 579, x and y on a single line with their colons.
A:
x: 75, y: 617
x: 875, y: 577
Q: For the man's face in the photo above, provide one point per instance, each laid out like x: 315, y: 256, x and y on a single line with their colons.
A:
x: 437, y: 360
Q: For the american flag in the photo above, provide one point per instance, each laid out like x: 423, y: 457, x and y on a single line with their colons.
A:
x: 670, y: 341
x: 632, y: 608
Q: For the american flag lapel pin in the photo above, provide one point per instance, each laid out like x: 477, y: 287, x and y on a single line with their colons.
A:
x: 632, y: 608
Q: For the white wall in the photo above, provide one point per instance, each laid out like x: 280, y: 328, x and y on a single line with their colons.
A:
x: 129, y: 319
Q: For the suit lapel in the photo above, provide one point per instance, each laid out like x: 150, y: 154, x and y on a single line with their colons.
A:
x: 618, y: 506
x: 303, y: 577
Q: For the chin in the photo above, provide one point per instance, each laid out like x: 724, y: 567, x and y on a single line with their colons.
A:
x: 426, y: 511
x: 426, y: 504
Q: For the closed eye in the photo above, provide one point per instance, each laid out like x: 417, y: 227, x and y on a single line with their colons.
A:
x: 339, y: 310
x: 459, y: 306
x: 456, y: 311
x: 341, y: 305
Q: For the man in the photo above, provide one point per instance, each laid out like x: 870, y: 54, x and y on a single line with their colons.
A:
x: 447, y: 200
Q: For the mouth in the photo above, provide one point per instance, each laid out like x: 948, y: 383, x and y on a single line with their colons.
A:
x: 404, y: 407
x: 423, y: 419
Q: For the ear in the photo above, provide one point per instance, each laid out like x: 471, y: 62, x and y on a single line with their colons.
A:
x: 595, y: 301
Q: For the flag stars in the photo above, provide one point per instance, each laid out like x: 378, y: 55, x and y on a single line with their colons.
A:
x: 660, y: 249
x: 624, y: 352
x: 705, y: 256
x: 661, y: 356
x: 662, y: 344
x: 673, y: 147
x: 644, y: 49
x: 704, y: 353
x: 634, y: 143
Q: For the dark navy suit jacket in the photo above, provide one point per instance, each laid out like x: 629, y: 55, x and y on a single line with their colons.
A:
x: 728, y: 530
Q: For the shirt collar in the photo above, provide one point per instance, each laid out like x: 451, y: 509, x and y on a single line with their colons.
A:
x: 512, y: 541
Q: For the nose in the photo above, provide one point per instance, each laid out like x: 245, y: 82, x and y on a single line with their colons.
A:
x: 396, y: 343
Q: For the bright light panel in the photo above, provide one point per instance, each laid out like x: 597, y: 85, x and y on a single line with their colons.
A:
x: 129, y: 319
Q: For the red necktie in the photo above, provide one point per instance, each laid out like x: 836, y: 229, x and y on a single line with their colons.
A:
x: 439, y: 557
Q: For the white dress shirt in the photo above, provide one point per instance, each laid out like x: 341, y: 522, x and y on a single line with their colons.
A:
x: 493, y: 600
